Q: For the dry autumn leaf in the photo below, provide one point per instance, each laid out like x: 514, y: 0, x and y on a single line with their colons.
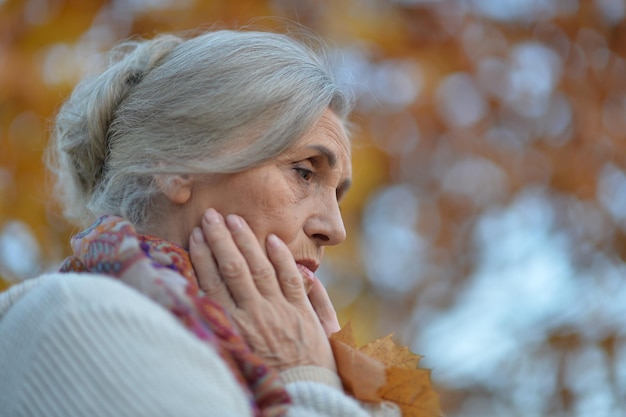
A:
x: 382, y: 370
x: 412, y: 391
x: 361, y: 374
x: 391, y: 354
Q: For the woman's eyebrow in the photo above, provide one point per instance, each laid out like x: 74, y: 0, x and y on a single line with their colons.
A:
x: 330, y: 156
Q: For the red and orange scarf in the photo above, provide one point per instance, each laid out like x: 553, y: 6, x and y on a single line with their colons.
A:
x: 162, y: 271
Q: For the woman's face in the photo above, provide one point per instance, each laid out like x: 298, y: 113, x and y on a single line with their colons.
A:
x: 295, y: 196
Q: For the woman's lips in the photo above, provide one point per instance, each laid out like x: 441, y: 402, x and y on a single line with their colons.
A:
x: 307, y: 276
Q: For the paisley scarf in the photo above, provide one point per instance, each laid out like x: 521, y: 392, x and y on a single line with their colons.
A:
x: 162, y: 271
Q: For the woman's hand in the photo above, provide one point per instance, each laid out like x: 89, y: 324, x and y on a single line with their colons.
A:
x: 265, y: 295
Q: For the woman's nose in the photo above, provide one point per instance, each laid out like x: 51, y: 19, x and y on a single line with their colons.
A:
x: 325, y: 225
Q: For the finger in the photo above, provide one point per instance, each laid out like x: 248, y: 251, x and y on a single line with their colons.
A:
x: 260, y: 267
x: 206, y: 270
x: 289, y: 278
x: 230, y: 262
x: 324, y: 308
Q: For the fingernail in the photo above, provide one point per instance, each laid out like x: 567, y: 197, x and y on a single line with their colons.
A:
x: 211, y: 216
x: 273, y: 240
x: 234, y: 222
x: 197, y: 235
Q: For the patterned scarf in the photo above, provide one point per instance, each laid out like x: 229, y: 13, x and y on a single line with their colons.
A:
x: 162, y: 271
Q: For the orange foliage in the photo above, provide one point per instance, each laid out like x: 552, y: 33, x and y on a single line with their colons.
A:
x: 382, y: 370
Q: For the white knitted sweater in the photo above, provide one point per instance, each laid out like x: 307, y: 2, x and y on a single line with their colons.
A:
x: 73, y: 345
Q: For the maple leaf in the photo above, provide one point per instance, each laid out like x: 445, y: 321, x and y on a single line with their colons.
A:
x: 362, y: 375
x: 386, y: 351
x: 382, y: 370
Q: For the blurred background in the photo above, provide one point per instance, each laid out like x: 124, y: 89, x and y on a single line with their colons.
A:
x: 487, y: 223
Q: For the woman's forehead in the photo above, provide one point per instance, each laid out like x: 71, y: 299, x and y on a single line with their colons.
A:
x: 328, y: 131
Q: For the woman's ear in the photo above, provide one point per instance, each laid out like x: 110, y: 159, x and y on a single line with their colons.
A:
x: 177, y: 188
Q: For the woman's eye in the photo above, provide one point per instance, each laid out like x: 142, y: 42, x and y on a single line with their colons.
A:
x: 305, y: 174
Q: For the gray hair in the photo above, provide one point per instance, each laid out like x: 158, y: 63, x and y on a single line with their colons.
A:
x: 220, y: 102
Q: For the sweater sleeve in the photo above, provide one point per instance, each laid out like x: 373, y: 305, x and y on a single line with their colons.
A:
x: 90, y: 346
x: 317, y: 391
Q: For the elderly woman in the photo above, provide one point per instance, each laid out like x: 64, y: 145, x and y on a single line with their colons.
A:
x: 210, y: 170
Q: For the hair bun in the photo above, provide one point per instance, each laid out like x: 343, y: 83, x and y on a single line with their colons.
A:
x: 82, y: 125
